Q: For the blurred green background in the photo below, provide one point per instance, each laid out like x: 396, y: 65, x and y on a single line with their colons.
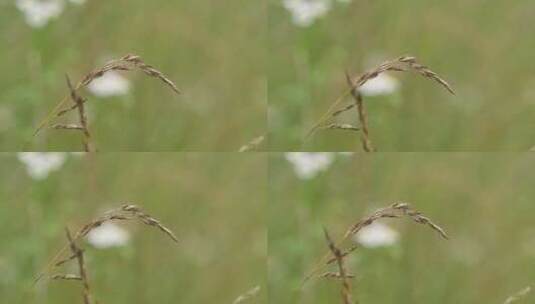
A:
x: 483, y: 48
x: 213, y: 50
x: 215, y: 203
x: 484, y: 201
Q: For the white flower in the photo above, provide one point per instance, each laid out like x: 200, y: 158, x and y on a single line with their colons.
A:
x: 377, y: 235
x: 308, y: 165
x: 39, y: 165
x: 305, y: 12
x: 383, y: 84
x: 108, y: 235
x: 39, y: 13
x: 110, y: 84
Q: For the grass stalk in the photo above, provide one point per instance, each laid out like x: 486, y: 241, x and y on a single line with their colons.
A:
x: 337, y: 255
x: 401, y: 64
x: 126, y: 63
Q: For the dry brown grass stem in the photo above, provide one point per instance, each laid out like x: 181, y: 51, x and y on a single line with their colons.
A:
x: 79, y: 253
x: 342, y: 273
x: 126, y: 63
x: 396, y: 210
x: 362, y: 116
x: 344, y: 254
x: 253, y: 292
x: 82, y: 116
x: 518, y: 296
x: 401, y: 64
x: 253, y: 145
x: 126, y: 212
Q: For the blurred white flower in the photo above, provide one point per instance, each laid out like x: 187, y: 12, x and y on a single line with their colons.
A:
x: 308, y: 165
x: 110, y: 84
x: 377, y: 235
x: 39, y: 12
x: 383, y: 84
x: 108, y: 235
x: 305, y: 12
x: 39, y: 165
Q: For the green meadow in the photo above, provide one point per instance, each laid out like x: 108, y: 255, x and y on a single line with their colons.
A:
x: 214, y: 55
x: 483, y: 48
x: 214, y: 203
x: 484, y: 202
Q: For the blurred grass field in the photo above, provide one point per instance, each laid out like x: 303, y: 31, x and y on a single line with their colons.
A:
x: 213, y: 50
x: 214, y: 202
x: 485, y: 202
x: 483, y: 48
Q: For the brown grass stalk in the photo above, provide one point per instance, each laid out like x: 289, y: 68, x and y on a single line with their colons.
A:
x: 362, y: 116
x: 79, y: 253
x: 344, y: 254
x: 396, y: 210
x: 342, y: 273
x: 126, y: 212
x: 401, y: 64
x: 82, y: 116
x: 126, y: 63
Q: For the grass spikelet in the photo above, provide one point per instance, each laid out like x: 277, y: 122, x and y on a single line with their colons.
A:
x: 401, y: 64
